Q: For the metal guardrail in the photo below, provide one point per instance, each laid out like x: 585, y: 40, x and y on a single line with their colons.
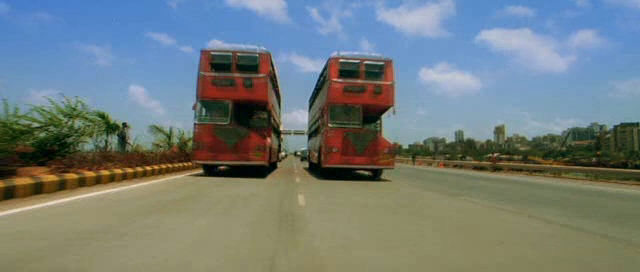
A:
x: 592, y: 172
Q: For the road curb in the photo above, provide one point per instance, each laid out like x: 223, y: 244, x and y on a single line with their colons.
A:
x: 24, y: 187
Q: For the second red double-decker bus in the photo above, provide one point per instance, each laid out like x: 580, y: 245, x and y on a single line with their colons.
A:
x: 345, y: 110
x: 237, y: 110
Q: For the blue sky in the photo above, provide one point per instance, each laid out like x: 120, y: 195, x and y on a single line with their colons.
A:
x: 538, y: 66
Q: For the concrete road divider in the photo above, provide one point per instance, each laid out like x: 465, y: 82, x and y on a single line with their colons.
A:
x: 627, y: 176
x: 24, y: 187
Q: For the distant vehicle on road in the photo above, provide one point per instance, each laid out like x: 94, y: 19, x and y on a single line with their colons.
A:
x: 237, y: 109
x: 345, y: 110
x: 304, y: 155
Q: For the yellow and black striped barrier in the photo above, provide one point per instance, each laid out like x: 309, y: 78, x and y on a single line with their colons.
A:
x: 24, y: 187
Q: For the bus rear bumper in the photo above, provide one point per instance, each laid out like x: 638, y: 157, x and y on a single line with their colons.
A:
x: 234, y: 163
x: 355, y: 166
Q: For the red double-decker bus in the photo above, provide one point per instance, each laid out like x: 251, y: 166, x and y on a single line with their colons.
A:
x: 345, y: 110
x: 237, y: 109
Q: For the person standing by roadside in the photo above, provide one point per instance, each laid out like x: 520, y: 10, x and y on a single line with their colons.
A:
x: 123, y: 137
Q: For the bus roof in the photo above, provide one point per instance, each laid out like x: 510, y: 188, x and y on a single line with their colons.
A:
x: 237, y: 48
x: 359, y: 55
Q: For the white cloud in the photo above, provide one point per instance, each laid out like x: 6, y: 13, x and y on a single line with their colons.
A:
x: 539, y: 52
x: 420, y: 20
x: 367, y: 46
x: 332, y: 23
x: 533, y: 127
x: 586, y: 39
x: 174, y: 3
x: 519, y: 11
x: 186, y: 49
x: 140, y: 96
x: 626, y: 3
x: 42, y: 16
x: 296, y: 119
x: 582, y: 3
x: 4, y: 8
x: 102, y: 54
x: 162, y: 38
x: 166, y: 40
x: 218, y: 44
x: 626, y: 88
x: 535, y: 51
x: 447, y: 80
x: 303, y: 63
x: 39, y: 97
x: 275, y: 10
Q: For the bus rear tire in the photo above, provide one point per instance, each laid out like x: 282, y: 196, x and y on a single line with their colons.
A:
x: 322, y: 172
x: 312, y: 166
x: 209, y: 170
x: 377, y: 174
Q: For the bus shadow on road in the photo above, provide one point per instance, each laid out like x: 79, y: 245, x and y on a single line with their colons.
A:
x: 344, y: 175
x: 237, y: 173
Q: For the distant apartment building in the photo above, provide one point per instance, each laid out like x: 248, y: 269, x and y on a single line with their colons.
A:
x: 435, y: 144
x: 518, y: 142
x: 624, y: 137
x: 416, y: 147
x: 598, y: 128
x: 547, y: 142
x: 500, y: 135
x: 459, y: 136
x: 583, y: 135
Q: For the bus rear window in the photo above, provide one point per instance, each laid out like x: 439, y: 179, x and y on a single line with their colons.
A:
x: 221, y: 62
x: 250, y: 116
x: 349, y: 69
x: 373, y: 70
x: 213, y: 111
x: 345, y: 116
x: 248, y: 63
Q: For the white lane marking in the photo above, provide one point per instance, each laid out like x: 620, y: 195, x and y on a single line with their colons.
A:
x: 297, y: 180
x: 64, y: 200
x: 301, y: 201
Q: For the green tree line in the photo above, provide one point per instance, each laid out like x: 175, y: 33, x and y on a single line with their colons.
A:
x: 69, y: 125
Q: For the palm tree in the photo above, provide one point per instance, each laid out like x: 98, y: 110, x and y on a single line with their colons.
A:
x: 170, y: 138
x: 165, y: 138
x: 184, y: 141
x: 107, y: 127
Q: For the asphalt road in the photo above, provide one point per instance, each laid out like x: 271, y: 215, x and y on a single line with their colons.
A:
x: 416, y: 220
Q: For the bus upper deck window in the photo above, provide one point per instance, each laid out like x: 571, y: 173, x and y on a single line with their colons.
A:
x: 248, y: 63
x: 221, y: 62
x: 345, y: 116
x: 213, y: 111
x: 349, y: 69
x: 373, y: 70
